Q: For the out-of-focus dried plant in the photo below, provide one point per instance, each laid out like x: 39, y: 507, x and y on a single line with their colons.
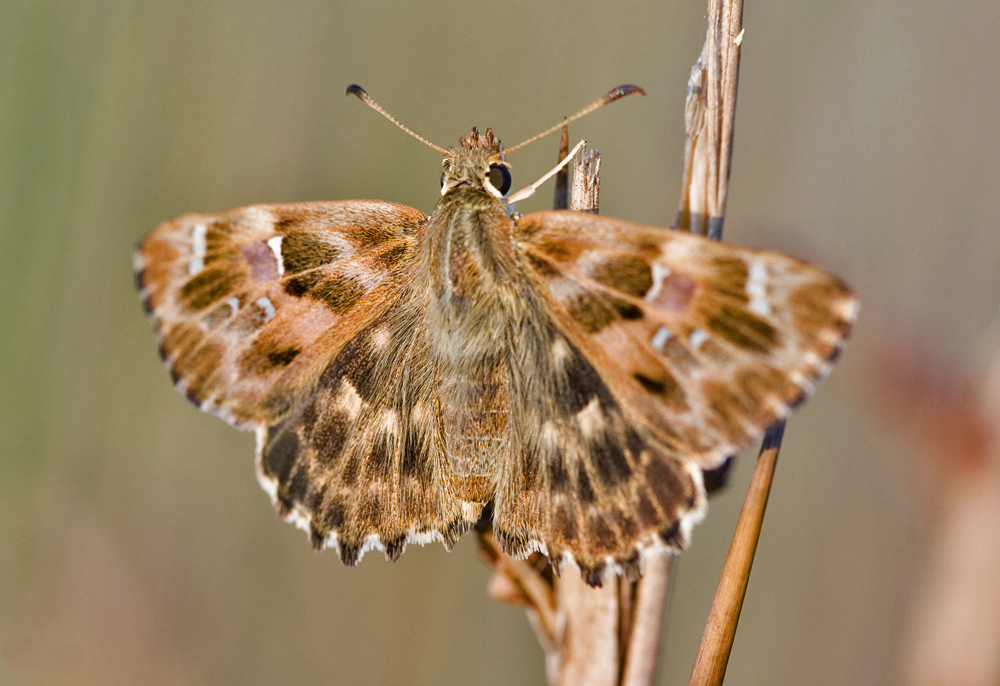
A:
x: 952, y: 416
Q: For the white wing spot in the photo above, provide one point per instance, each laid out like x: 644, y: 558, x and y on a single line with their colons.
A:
x: 847, y: 309
x: 274, y: 243
x: 830, y: 337
x: 234, y: 305
x: 549, y: 434
x: 348, y: 400
x: 591, y: 418
x: 199, y: 246
x: 756, y: 288
x: 660, y: 338
x: 698, y: 338
x: 390, y: 420
x: 776, y: 406
x: 264, y: 303
x: 560, y: 350
x: 760, y: 306
x: 800, y: 380
x: 659, y: 274
x: 381, y: 337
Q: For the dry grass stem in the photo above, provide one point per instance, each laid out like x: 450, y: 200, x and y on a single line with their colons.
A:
x: 646, y: 623
x: 561, y: 200
x: 585, y: 194
x: 589, y: 653
x: 709, y: 113
x: 720, y: 630
x: 577, y: 626
x: 521, y: 582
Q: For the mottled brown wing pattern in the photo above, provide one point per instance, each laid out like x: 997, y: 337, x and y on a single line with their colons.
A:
x: 250, y: 305
x: 584, y: 483
x: 360, y: 463
x: 654, y: 354
x: 705, y: 344
x: 402, y: 371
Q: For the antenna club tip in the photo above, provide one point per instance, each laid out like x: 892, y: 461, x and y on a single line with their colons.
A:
x: 622, y: 91
x: 355, y: 89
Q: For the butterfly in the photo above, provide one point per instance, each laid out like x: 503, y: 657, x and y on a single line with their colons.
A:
x: 573, y: 375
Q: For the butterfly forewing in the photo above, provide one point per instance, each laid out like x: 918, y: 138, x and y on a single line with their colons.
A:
x: 705, y: 343
x: 250, y: 305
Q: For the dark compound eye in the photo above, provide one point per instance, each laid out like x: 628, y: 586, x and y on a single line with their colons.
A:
x: 500, y: 178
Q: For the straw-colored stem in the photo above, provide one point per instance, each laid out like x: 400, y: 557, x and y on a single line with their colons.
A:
x: 642, y: 652
x: 717, y: 641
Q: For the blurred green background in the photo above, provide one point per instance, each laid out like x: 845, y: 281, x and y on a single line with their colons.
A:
x: 135, y: 544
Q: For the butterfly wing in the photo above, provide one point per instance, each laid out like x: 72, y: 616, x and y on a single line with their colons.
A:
x: 361, y: 463
x: 709, y: 343
x: 668, y: 352
x: 585, y: 482
x: 251, y: 305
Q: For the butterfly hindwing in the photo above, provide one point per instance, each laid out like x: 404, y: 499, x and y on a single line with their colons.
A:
x: 360, y: 464
x: 583, y: 482
x: 706, y: 344
x: 251, y: 304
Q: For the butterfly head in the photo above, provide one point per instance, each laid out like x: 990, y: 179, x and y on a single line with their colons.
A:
x: 477, y: 164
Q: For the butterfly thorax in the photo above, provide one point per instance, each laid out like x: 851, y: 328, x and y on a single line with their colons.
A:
x: 469, y: 270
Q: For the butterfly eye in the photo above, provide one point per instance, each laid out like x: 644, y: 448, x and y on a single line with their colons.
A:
x: 500, y: 178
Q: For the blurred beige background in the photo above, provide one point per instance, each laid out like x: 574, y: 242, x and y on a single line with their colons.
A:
x: 135, y: 544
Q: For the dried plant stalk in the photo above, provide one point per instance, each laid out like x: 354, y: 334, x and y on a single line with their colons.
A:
x: 720, y: 630
x: 709, y: 114
x: 589, y: 652
x: 646, y: 625
x: 585, y: 195
x: 520, y: 582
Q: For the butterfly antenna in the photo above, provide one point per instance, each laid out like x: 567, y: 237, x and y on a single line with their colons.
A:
x: 609, y: 97
x: 355, y: 89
